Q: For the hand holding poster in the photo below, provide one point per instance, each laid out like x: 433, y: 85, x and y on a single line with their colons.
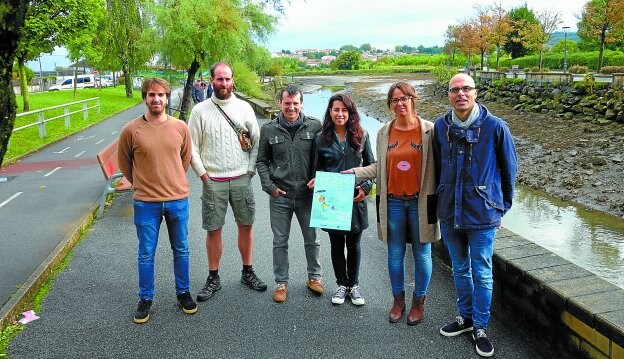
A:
x: 332, y: 203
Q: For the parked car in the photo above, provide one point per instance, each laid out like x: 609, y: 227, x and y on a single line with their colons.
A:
x: 82, y: 81
x: 104, y: 82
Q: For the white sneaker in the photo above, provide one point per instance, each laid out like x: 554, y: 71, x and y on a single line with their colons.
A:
x: 356, y: 296
x: 340, y: 295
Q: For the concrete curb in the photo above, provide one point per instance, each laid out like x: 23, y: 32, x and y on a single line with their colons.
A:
x: 24, y: 296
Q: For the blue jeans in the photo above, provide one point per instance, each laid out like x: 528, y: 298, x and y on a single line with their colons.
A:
x: 281, y: 213
x: 471, y: 252
x: 147, y: 219
x: 403, y: 222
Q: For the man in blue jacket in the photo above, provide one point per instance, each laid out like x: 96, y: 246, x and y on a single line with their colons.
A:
x: 476, y: 169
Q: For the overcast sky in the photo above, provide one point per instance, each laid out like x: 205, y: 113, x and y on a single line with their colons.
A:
x: 382, y: 23
x: 387, y: 23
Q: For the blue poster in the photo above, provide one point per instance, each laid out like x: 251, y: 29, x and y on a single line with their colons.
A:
x: 332, y: 203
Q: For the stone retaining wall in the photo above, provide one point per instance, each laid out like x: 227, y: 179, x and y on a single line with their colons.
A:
x: 568, y: 308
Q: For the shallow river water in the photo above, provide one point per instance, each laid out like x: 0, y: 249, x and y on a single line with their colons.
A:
x: 591, y: 240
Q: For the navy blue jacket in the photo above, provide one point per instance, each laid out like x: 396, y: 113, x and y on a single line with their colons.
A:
x: 476, y: 171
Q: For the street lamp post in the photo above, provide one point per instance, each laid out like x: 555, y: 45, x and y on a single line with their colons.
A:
x: 565, y: 49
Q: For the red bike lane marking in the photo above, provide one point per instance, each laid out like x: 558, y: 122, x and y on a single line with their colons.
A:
x: 46, y: 165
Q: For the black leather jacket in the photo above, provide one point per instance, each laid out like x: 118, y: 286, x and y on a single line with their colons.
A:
x: 284, y: 162
x: 332, y: 158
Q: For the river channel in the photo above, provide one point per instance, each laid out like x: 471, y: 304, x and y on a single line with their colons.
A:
x: 589, y: 239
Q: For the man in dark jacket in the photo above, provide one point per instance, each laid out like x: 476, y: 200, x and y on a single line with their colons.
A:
x: 198, y: 92
x: 476, y: 169
x: 284, y: 164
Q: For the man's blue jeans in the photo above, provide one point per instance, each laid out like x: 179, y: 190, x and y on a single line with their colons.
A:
x: 471, y: 252
x: 403, y: 222
x: 147, y: 219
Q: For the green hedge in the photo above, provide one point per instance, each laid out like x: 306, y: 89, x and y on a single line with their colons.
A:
x: 555, y: 61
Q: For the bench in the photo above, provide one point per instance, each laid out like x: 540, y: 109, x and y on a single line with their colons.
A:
x: 115, y: 181
x: 515, y: 68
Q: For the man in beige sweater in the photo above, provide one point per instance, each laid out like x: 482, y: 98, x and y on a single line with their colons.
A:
x: 154, y: 153
x: 225, y: 170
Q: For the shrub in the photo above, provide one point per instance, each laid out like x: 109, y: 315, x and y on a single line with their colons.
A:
x: 121, y: 80
x: 612, y: 69
x: 578, y: 69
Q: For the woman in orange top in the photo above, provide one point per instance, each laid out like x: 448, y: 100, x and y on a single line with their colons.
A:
x: 405, y: 197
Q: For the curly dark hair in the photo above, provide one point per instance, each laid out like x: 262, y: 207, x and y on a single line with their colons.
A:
x: 354, y: 128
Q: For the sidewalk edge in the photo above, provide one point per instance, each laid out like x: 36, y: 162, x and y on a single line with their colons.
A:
x: 26, y: 293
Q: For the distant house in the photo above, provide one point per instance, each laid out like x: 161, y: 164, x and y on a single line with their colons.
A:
x: 82, y: 66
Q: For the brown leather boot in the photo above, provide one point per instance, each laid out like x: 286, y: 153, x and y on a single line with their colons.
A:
x: 398, y: 308
x: 416, y: 312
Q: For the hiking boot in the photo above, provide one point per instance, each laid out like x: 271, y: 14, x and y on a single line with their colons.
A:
x: 340, y: 295
x: 398, y: 308
x: 186, y: 302
x: 460, y: 325
x: 213, y: 284
x: 251, y: 280
x: 356, y: 296
x: 315, y: 285
x: 280, y: 292
x: 482, y: 343
x: 142, y: 313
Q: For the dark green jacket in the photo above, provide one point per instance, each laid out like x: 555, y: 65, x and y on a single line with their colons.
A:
x: 284, y: 162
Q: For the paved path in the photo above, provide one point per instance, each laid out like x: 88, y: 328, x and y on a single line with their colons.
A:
x: 88, y: 312
x: 47, y: 195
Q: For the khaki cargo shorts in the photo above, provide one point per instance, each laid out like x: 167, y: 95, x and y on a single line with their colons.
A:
x: 216, y: 196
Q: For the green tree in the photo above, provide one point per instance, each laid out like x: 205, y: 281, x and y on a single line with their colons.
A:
x: 202, y: 33
x: 536, y: 36
x: 348, y: 60
x: 50, y: 23
x: 12, y: 18
x: 602, y: 22
x: 366, y: 47
x: 568, y: 45
x: 125, y: 37
x: 521, y: 18
x: 348, y: 48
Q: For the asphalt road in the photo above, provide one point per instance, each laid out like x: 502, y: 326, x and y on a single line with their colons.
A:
x: 88, y: 313
x: 46, y: 195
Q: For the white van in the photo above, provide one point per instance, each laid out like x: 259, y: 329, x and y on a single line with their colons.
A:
x: 82, y: 81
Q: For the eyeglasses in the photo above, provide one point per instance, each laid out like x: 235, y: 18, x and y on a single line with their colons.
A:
x: 403, y: 100
x: 464, y: 89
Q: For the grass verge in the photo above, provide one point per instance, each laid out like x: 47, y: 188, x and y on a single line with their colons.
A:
x: 112, y: 101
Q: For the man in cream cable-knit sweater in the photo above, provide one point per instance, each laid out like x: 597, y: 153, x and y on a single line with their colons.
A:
x: 226, y: 171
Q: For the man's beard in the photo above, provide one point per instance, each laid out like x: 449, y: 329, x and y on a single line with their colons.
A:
x: 220, y: 96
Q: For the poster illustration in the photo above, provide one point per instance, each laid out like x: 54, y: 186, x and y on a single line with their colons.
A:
x: 332, y: 203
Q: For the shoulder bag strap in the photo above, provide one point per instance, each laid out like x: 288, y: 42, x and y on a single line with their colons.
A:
x: 226, y: 116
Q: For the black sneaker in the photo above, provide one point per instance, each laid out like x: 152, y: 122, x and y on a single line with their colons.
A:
x: 213, y: 284
x: 187, y: 303
x: 482, y: 343
x: 460, y: 325
x: 142, y: 313
x: 251, y: 280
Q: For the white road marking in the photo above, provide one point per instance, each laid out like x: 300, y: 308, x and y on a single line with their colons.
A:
x: 54, y: 170
x: 114, y: 132
x: 100, y: 141
x: 65, y: 149
x: 10, y: 199
x: 80, y: 154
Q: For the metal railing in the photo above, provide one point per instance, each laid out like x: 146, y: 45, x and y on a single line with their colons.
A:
x: 41, y: 120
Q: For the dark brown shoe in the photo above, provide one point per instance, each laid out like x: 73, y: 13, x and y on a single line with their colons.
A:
x: 416, y: 312
x: 398, y: 308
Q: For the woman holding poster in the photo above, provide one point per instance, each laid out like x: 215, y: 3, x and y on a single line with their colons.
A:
x: 406, y: 197
x: 341, y: 144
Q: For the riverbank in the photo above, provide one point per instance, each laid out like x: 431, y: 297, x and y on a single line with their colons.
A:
x: 569, y: 159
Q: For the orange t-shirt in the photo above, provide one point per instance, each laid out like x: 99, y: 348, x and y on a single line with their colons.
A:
x: 405, y: 153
